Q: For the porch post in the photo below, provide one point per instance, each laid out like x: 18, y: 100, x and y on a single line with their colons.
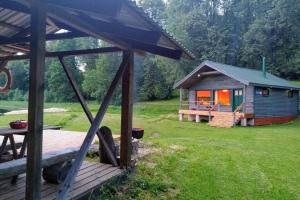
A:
x: 126, y: 113
x: 180, y: 98
x: 35, y: 101
x: 244, y: 99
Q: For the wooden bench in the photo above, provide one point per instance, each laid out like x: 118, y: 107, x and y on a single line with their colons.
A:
x: 16, y: 167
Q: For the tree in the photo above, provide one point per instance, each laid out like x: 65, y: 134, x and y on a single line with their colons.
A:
x: 97, y: 80
x: 58, y: 86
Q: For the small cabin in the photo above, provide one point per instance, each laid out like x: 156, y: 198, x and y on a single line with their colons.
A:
x: 226, y: 96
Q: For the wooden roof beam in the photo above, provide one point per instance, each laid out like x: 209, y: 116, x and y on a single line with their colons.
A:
x: 154, y: 49
x: 84, y: 26
x: 15, y: 6
x: 66, y: 53
x: 60, y: 36
x: 10, y: 26
x: 105, y: 7
x: 119, y: 30
x: 80, y: 25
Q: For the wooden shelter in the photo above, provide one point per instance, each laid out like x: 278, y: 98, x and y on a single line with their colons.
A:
x: 26, y: 25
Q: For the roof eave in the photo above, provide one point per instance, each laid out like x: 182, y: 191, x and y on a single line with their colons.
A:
x: 276, y: 86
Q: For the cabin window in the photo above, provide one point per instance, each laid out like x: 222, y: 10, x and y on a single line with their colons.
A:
x: 265, y: 92
x: 222, y: 97
x: 290, y: 94
x: 203, y: 97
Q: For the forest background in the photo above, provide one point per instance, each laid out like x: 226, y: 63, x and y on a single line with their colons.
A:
x: 235, y: 32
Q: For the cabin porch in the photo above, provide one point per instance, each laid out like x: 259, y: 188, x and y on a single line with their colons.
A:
x: 218, y: 118
x: 224, y: 107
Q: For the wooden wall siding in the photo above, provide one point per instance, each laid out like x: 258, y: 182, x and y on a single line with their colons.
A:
x: 277, y: 104
x: 249, y: 93
x: 192, y: 98
x: 218, y: 81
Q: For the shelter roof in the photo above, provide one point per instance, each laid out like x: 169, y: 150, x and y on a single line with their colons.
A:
x: 119, y: 22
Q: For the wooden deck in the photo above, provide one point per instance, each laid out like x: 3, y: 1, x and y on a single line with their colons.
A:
x: 90, y: 177
x: 218, y: 119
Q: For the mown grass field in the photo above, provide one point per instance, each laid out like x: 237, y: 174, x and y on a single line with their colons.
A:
x: 196, y: 161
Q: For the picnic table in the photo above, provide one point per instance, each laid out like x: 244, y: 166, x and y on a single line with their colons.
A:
x: 8, y: 134
x: 59, y: 149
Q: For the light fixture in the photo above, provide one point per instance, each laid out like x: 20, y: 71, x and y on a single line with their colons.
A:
x: 224, y: 90
x: 199, y: 75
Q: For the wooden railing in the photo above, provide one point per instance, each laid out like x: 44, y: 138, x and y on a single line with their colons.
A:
x: 212, y: 109
x: 188, y: 104
x: 238, y: 109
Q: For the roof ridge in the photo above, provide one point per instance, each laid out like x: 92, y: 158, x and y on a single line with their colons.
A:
x: 246, y: 68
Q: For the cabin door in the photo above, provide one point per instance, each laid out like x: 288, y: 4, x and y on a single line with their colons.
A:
x: 238, y: 97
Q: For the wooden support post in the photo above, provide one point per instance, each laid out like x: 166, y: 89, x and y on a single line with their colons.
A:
x: 180, y: 117
x: 86, y: 110
x: 197, y: 118
x: 180, y: 98
x: 65, y: 187
x: 126, y: 114
x: 36, y: 102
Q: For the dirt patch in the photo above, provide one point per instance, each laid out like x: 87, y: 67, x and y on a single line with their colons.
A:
x: 173, y: 148
x: 146, y: 148
x: 154, y: 135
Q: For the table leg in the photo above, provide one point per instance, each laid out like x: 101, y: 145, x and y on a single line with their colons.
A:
x: 21, y: 155
x: 23, y: 148
x: 13, y: 146
x: 4, y: 142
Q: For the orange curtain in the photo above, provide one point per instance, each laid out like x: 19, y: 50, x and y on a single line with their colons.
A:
x: 203, y: 97
x: 222, y: 97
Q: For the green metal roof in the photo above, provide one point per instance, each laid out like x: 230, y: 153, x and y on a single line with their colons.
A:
x: 243, y: 75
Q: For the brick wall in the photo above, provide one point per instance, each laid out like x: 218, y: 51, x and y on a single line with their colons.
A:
x: 273, y: 120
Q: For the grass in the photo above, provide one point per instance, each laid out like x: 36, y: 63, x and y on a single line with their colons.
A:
x: 196, y: 161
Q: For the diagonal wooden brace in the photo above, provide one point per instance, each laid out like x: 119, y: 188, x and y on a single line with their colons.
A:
x: 86, y: 109
x: 65, y: 187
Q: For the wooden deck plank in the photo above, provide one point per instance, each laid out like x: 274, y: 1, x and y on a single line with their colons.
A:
x: 90, y: 177
x: 82, y: 181
x: 6, y: 185
x: 19, y: 189
x: 82, y: 173
x: 87, y: 188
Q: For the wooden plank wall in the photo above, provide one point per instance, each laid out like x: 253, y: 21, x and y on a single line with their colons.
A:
x: 277, y: 104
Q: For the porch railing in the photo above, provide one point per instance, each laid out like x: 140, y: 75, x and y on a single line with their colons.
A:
x: 204, y: 105
x: 207, y: 106
x: 238, y: 109
x: 212, y: 109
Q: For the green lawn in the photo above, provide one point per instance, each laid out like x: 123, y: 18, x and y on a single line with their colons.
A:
x: 196, y: 161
